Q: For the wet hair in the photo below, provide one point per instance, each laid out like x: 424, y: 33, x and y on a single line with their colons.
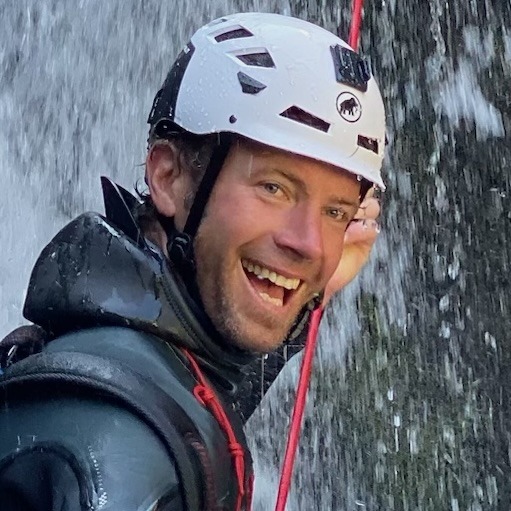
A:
x: 193, y: 155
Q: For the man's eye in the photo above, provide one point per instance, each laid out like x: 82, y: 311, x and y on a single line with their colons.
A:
x: 337, y: 214
x: 272, y: 188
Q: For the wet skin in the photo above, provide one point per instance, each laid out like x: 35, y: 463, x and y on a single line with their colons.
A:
x: 277, y: 210
x: 283, y: 212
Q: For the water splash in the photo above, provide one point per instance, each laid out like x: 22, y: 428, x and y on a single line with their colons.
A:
x: 409, y: 408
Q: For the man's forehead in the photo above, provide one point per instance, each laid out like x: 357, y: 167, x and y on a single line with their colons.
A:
x: 267, y: 153
x: 258, y: 149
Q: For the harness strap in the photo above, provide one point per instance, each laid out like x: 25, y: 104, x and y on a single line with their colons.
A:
x: 70, y: 372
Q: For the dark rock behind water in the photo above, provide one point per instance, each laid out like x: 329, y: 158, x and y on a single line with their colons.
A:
x: 410, y: 407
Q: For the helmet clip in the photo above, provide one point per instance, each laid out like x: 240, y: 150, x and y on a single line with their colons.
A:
x: 180, y: 250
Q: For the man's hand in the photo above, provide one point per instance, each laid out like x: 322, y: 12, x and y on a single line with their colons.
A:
x: 358, y: 242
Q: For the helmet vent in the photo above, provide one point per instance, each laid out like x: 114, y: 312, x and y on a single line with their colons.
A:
x: 295, y: 113
x: 250, y: 85
x: 237, y: 32
x: 371, y: 144
x: 257, y: 59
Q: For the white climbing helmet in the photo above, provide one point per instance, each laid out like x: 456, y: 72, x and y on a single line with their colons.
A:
x: 281, y: 81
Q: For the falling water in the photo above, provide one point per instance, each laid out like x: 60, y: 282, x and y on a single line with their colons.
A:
x: 409, y: 408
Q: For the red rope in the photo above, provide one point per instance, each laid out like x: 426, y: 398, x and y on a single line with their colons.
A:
x: 356, y: 22
x: 296, y: 420
x: 305, y: 372
x: 207, y: 397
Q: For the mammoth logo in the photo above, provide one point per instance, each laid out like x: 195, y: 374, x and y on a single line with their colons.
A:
x: 349, y: 107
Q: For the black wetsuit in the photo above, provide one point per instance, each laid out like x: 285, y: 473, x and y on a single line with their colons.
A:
x: 108, y: 415
x: 105, y: 298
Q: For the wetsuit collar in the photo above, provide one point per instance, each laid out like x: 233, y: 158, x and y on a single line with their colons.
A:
x: 92, y: 274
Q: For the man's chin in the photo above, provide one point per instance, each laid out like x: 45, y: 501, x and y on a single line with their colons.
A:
x: 257, y: 339
x: 263, y: 335
x: 251, y: 329
x: 260, y: 347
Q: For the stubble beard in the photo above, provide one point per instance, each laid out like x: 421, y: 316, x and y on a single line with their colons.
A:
x: 262, y: 334
x: 265, y: 336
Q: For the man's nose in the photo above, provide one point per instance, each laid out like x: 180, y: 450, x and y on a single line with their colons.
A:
x: 301, y: 233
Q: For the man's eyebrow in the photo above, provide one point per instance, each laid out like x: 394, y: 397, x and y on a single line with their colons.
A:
x: 299, y: 183
x: 303, y: 188
x: 345, y: 202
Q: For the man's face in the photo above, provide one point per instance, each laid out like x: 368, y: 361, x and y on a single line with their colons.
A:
x: 271, y: 238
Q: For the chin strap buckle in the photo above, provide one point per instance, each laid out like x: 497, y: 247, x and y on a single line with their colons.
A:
x: 180, y: 249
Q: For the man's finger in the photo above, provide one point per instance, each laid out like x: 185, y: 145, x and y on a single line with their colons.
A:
x: 369, y: 209
x: 362, y: 231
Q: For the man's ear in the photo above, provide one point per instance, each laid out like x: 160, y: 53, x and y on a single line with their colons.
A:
x: 163, y: 177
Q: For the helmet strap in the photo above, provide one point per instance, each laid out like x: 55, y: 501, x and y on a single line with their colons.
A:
x: 180, y: 244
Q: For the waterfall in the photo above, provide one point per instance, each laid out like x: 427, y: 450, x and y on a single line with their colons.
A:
x: 409, y: 407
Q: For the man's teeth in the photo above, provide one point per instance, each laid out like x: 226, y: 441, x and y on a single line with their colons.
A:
x: 264, y: 273
x: 275, y: 301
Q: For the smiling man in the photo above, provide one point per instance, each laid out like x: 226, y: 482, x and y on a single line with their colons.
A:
x: 283, y: 218
x: 264, y: 142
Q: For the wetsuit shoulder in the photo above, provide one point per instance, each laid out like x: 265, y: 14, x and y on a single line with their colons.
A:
x: 71, y: 454
x: 70, y: 450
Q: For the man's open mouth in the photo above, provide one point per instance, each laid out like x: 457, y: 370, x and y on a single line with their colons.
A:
x: 271, y: 286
